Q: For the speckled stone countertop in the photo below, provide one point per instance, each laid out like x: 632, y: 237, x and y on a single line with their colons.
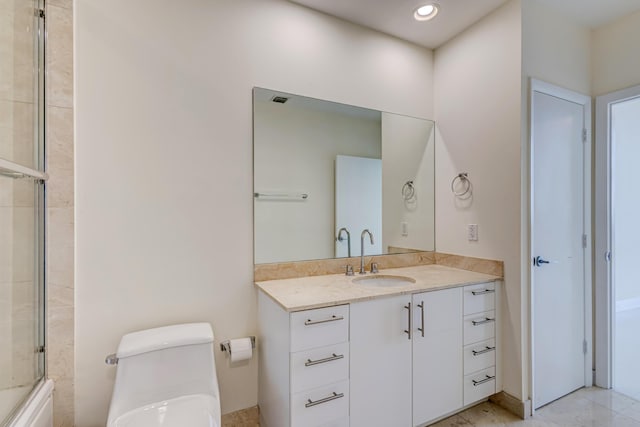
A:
x: 304, y: 293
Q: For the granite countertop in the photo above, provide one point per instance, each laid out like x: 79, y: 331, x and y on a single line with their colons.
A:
x: 304, y: 293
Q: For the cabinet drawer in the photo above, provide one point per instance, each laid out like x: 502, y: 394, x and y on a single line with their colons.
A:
x: 479, y: 356
x: 479, y: 327
x: 479, y: 385
x: 320, y: 406
x: 479, y: 298
x: 320, y: 327
x: 319, y: 366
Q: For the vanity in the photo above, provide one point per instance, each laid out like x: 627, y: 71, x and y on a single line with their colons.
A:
x: 410, y: 347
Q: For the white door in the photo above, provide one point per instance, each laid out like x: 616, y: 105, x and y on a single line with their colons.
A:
x: 358, y: 203
x: 380, y: 363
x: 618, y: 297
x: 437, y: 354
x: 558, y: 237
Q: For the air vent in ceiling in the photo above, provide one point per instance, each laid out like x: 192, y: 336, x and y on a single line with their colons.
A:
x: 279, y: 99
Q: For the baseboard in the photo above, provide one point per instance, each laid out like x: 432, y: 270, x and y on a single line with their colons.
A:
x: 512, y: 404
x: 248, y: 417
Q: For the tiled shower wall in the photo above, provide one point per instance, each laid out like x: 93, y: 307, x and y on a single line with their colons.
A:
x: 60, y: 206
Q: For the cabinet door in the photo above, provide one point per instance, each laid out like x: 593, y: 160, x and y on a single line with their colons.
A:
x: 380, y: 363
x: 437, y: 356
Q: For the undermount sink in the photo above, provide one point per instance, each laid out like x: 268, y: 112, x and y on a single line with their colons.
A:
x: 383, y: 281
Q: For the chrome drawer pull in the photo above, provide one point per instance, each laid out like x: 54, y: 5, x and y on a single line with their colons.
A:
x: 486, y: 380
x: 486, y: 291
x: 482, y: 322
x: 410, y: 321
x: 325, y: 360
x: 311, y: 403
x: 421, y: 329
x: 315, y: 322
x: 486, y: 350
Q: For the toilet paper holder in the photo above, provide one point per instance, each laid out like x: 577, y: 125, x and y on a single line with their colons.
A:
x: 224, y: 345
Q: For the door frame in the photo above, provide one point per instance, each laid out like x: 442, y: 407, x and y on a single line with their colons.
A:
x: 604, y: 287
x: 585, y: 101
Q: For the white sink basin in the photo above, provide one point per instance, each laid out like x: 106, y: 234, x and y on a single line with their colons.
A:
x: 383, y: 281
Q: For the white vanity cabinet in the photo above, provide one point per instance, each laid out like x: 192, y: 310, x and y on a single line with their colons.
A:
x: 404, y: 360
x: 303, y: 366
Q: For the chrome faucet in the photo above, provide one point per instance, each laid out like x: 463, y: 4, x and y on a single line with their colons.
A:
x: 340, y: 239
x: 362, y: 249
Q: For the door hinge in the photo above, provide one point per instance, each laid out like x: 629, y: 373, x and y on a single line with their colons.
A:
x: 584, y: 346
x: 584, y: 135
x: 584, y: 241
x: 40, y: 13
x: 40, y: 349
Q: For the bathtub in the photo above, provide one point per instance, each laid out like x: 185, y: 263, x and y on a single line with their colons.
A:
x: 38, y: 409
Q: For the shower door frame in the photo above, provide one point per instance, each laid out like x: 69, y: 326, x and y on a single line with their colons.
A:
x: 39, y: 176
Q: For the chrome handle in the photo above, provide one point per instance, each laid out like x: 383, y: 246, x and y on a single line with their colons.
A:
x: 421, y: 329
x: 486, y: 380
x: 408, y: 331
x: 111, y: 359
x: 315, y: 322
x: 311, y: 403
x: 486, y: 350
x: 482, y: 322
x: 486, y: 291
x: 310, y: 362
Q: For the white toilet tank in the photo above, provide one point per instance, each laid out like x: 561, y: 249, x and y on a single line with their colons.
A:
x: 166, y: 377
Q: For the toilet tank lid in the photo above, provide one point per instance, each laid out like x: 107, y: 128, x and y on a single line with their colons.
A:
x: 165, y: 337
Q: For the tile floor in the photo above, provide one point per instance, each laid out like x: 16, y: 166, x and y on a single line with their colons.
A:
x: 588, y: 407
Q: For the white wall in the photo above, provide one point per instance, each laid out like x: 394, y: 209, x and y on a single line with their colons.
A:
x: 408, y: 153
x: 164, y: 154
x: 295, y: 150
x: 555, y: 49
x: 616, y: 55
x: 626, y: 152
x: 477, y: 99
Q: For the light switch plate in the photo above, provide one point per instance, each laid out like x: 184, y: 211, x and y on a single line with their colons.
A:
x: 405, y: 228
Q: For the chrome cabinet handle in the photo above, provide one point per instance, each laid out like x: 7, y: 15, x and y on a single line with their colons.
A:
x: 479, y: 352
x: 408, y: 331
x: 482, y: 322
x: 486, y: 291
x: 486, y: 380
x: 421, y: 329
x: 310, y: 362
x: 334, y: 396
x: 316, y: 322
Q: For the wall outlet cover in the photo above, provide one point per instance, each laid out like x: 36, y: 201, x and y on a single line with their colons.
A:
x: 472, y: 232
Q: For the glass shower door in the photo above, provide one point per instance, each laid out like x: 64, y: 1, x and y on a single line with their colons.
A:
x: 22, y: 181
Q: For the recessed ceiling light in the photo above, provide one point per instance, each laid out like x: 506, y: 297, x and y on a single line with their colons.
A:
x: 426, y: 12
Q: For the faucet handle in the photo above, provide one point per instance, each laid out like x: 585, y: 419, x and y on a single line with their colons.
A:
x: 374, y: 267
x: 349, y: 270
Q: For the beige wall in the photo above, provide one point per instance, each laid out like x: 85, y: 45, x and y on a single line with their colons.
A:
x: 164, y: 154
x: 477, y: 99
x: 554, y: 49
x: 616, y: 55
x: 60, y: 208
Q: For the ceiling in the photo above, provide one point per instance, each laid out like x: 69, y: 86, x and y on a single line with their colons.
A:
x: 395, y: 17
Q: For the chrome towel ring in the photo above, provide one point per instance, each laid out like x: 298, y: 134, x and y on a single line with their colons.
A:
x: 408, y: 190
x: 465, y: 183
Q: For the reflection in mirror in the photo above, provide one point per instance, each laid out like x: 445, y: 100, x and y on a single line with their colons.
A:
x: 324, y: 172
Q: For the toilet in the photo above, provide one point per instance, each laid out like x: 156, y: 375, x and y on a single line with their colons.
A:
x: 166, y: 377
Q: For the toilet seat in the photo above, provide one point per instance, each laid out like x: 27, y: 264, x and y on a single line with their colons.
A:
x: 199, y: 410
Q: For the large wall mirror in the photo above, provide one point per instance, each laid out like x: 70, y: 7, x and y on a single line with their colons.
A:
x: 324, y: 172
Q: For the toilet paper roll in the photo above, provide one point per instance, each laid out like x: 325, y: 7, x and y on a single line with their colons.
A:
x: 240, y: 349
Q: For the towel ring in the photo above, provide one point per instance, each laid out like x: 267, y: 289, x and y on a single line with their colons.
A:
x: 463, y: 177
x: 408, y: 190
